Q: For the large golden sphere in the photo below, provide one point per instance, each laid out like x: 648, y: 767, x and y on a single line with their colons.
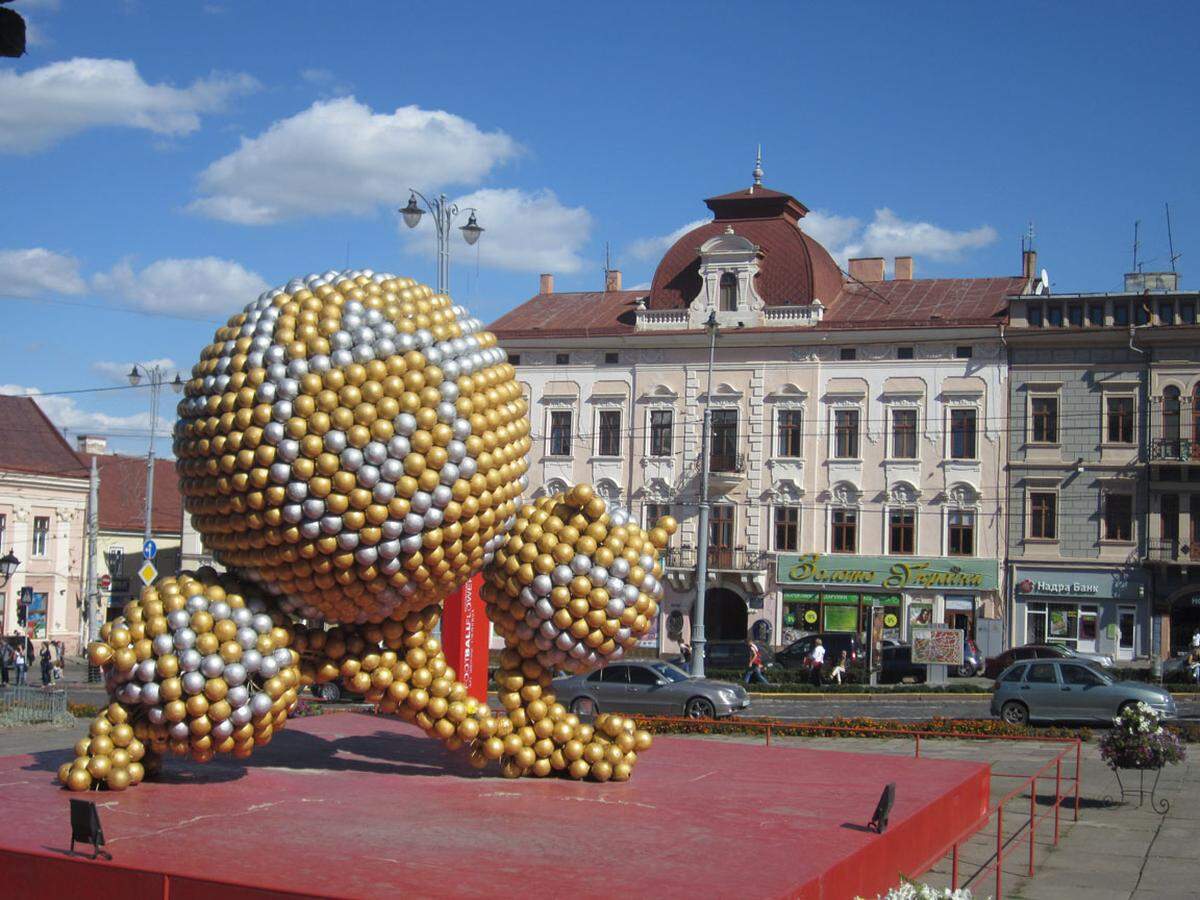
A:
x: 325, y: 433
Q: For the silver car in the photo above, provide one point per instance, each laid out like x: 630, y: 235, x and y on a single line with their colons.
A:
x: 650, y: 686
x: 1063, y: 689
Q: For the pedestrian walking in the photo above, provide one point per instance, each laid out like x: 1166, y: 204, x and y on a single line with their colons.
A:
x: 1196, y: 639
x: 818, y: 662
x: 47, y: 667
x: 21, y: 665
x: 6, y: 660
x: 754, y: 668
x: 685, y: 652
x: 840, y: 669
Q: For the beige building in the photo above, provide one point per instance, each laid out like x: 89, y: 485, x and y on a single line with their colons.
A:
x: 43, y: 503
x: 857, y: 443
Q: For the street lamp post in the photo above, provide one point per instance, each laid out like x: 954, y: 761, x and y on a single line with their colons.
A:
x: 698, y: 640
x: 158, y: 377
x: 444, y: 213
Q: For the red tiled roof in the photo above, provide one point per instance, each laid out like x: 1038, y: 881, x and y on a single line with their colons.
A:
x: 793, y: 268
x: 29, y: 442
x: 582, y: 314
x: 923, y: 301
x: 123, y: 493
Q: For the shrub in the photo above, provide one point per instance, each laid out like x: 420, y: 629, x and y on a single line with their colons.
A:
x: 836, y: 727
x: 1139, y: 741
x: 83, y: 710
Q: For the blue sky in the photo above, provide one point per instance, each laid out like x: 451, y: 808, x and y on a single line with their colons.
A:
x: 172, y: 158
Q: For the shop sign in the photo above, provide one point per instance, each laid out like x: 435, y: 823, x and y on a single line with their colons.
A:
x: 891, y: 572
x: 851, y: 599
x: 1079, y: 585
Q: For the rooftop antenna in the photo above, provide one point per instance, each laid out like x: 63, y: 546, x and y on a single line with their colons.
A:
x: 758, y: 172
x: 607, y: 259
x: 1136, y: 225
x: 1027, y: 238
x: 1170, y: 239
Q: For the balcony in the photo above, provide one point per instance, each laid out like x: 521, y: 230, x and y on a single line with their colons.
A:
x: 726, y: 470
x: 1174, y: 450
x: 720, y: 559
x: 1173, y: 551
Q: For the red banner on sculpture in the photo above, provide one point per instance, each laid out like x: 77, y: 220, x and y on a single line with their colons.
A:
x: 465, y: 637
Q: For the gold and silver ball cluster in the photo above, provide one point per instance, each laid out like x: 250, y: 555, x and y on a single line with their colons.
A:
x: 354, y: 443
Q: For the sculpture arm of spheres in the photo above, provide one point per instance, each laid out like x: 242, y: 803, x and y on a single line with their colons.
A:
x: 351, y: 447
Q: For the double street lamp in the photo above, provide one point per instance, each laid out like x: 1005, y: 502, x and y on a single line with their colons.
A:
x: 698, y: 639
x: 8, y: 567
x: 157, y: 376
x: 444, y: 213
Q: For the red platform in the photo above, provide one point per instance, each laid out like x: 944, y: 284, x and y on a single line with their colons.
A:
x: 358, y: 806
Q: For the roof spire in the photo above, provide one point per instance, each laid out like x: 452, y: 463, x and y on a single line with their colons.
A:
x: 758, y: 172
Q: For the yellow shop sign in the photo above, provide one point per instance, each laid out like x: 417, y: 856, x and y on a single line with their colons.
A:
x: 894, y: 572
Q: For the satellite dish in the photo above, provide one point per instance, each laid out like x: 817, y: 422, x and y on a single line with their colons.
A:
x: 1043, y: 285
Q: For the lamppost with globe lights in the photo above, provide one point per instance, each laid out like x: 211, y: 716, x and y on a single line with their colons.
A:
x: 157, y: 376
x: 8, y: 568
x: 444, y: 213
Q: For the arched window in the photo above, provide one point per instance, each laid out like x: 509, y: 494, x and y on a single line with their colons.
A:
x: 729, y: 298
x: 1170, y: 414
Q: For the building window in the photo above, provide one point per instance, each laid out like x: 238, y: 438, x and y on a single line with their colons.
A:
x: 1141, y: 313
x: 845, y: 430
x: 904, y: 434
x: 729, y: 292
x: 655, y: 511
x: 1033, y: 315
x: 904, y: 353
x: 514, y: 359
x: 1168, y: 510
x: 902, y: 531
x: 1166, y: 312
x: 1118, y: 516
x: 612, y: 358
x: 609, y: 438
x: 41, y: 535
x: 1171, y: 415
x: 562, y: 359
x: 1054, y: 315
x: 1075, y: 315
x: 844, y: 530
x: 3, y: 532
x: 791, y: 434
x: 1187, y: 312
x: 1043, y: 515
x: 846, y: 354
x: 962, y: 434
x: 1096, y: 314
x: 1120, y: 313
x: 1044, y: 413
x: 723, y: 446
x: 787, y: 528
x: 1120, y: 419
x: 662, y: 423
x: 720, y: 536
x: 963, y: 352
x: 560, y: 432
x: 961, y: 532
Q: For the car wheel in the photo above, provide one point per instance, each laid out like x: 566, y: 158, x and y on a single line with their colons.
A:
x: 1015, y: 713
x: 699, y: 708
x: 966, y: 671
x: 584, y: 706
x: 329, y: 691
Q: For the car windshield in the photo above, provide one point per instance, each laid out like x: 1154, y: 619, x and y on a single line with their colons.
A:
x: 670, y: 672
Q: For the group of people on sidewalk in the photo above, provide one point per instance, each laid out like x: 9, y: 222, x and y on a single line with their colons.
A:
x: 17, y: 658
x: 814, y: 663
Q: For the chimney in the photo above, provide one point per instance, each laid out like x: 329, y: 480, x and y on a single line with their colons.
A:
x: 612, y: 279
x: 92, y: 443
x: 870, y: 269
x: 1029, y: 264
x: 546, y: 285
x: 904, y: 268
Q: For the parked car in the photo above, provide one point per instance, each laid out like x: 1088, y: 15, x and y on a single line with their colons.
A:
x: 973, y: 662
x: 728, y: 655
x: 649, y: 686
x: 793, y: 655
x: 897, y: 665
x: 329, y: 691
x: 1070, y: 690
x: 997, y: 664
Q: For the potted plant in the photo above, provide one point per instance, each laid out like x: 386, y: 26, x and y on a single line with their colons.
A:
x: 1139, y: 742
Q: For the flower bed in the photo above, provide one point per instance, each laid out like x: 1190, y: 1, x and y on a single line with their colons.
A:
x: 837, y: 727
x: 1139, y: 741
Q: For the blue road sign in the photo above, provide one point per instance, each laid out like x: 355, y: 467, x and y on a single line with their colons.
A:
x: 149, y: 549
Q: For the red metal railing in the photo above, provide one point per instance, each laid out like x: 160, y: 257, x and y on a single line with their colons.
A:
x: 1026, y: 782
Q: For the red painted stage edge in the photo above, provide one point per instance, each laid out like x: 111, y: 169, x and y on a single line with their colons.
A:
x: 465, y: 637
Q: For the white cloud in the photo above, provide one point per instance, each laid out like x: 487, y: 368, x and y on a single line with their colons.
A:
x: 523, y: 231
x: 830, y: 231
x: 888, y: 235
x: 651, y: 249
x: 118, y: 372
x: 202, y: 285
x: 36, y: 271
x: 341, y: 157
x: 327, y: 83
x: 66, y: 413
x: 45, y: 105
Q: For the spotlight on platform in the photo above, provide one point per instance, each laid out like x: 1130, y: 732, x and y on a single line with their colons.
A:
x: 883, y: 809
x: 85, y: 828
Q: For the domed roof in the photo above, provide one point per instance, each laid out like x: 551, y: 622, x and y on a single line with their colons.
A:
x: 793, y: 268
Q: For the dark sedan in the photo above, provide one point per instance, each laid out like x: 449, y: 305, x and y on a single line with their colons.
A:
x: 650, y: 686
x: 997, y: 664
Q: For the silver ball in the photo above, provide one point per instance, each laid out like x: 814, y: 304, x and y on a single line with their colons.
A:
x: 262, y: 623
x: 184, y: 638
x: 251, y: 660
x: 189, y: 660
x: 260, y: 704
x: 212, y: 665
x: 235, y: 674
x: 162, y: 644
x: 238, y: 694
x: 247, y: 638
x: 146, y: 670
x: 268, y: 668
x: 150, y: 693
x: 241, y: 714
x: 178, y: 619
x: 178, y: 731
x: 219, y: 610
x: 193, y: 682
